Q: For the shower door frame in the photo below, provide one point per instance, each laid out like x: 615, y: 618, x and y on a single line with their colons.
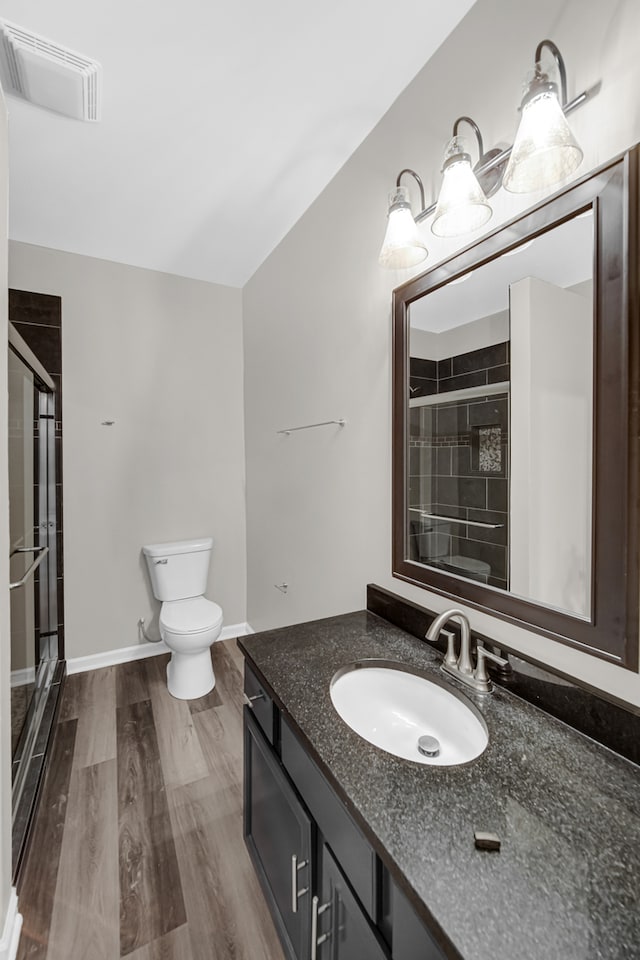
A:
x: 29, y: 755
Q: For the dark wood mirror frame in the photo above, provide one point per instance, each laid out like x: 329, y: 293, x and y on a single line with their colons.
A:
x: 611, y: 631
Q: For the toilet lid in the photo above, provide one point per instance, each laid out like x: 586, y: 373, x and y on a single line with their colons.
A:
x: 190, y: 616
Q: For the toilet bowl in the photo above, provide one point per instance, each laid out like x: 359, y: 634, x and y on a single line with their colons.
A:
x: 189, y: 623
x: 189, y: 627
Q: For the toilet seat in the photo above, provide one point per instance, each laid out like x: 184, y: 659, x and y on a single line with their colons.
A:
x: 189, y: 617
x: 469, y: 564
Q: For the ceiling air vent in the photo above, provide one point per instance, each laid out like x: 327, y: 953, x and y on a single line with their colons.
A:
x: 47, y: 74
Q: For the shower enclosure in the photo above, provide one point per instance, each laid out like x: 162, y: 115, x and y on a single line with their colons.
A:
x: 33, y: 559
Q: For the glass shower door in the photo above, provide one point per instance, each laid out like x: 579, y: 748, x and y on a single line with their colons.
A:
x: 32, y: 552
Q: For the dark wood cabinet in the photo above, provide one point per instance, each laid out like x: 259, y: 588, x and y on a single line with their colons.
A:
x: 279, y: 835
x: 330, y: 895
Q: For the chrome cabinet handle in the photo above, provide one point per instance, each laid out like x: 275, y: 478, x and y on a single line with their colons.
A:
x: 317, y: 909
x: 250, y: 700
x: 295, y: 893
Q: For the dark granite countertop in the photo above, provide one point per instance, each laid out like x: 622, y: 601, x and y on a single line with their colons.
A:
x: 566, y: 882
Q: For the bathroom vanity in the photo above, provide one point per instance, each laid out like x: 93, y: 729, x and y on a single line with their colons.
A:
x: 363, y: 855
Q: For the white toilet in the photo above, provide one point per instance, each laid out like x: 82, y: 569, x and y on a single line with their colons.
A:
x: 435, y: 546
x: 189, y: 623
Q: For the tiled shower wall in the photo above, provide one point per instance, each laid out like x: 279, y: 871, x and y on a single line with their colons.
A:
x: 38, y: 319
x: 459, y: 458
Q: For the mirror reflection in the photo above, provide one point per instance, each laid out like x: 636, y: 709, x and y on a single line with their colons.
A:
x: 501, y: 421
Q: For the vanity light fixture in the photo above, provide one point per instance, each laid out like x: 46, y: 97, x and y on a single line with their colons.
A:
x: 462, y: 203
x: 545, y: 150
x: 402, y: 246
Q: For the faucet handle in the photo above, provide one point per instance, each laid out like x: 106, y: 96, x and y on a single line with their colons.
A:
x: 483, y: 655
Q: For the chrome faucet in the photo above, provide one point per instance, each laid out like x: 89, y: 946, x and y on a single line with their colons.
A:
x: 453, y: 664
x: 461, y: 666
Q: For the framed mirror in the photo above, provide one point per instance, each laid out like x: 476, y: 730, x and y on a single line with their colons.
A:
x: 515, y: 422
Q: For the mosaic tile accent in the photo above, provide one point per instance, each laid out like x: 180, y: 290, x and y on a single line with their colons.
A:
x: 490, y: 449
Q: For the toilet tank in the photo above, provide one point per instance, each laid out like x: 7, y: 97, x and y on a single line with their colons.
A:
x: 178, y: 570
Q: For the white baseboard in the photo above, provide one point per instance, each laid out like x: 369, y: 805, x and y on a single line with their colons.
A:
x: 19, y: 678
x: 12, y: 928
x: 95, y: 661
x: 139, y: 651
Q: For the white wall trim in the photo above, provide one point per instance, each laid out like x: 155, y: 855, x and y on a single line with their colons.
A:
x: 139, y: 651
x: 19, y: 678
x: 12, y: 928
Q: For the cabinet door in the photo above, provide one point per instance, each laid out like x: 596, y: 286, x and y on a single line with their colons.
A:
x: 341, y: 834
x: 340, y: 927
x: 278, y: 834
x: 411, y: 939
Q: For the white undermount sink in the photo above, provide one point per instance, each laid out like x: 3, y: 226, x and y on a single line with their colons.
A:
x: 393, y: 708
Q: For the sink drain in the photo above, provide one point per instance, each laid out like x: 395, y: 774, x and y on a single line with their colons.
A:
x: 429, y: 746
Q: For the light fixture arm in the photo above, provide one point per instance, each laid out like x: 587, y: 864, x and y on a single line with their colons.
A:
x: 418, y: 181
x: 559, y: 59
x: 476, y: 129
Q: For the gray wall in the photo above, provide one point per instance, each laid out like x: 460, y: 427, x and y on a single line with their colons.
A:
x: 317, y: 325
x: 162, y: 356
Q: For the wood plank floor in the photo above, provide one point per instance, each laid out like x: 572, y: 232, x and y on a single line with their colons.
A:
x: 137, y: 850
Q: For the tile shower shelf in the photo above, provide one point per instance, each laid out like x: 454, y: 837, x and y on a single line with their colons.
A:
x: 469, y: 393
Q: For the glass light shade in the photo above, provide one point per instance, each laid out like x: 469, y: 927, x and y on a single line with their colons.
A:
x: 545, y: 150
x: 402, y: 246
x: 462, y: 205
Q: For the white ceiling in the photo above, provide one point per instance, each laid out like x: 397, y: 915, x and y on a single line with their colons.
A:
x: 221, y: 122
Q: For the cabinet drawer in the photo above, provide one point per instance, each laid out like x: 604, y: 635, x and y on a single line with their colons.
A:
x: 353, y: 852
x: 261, y: 703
